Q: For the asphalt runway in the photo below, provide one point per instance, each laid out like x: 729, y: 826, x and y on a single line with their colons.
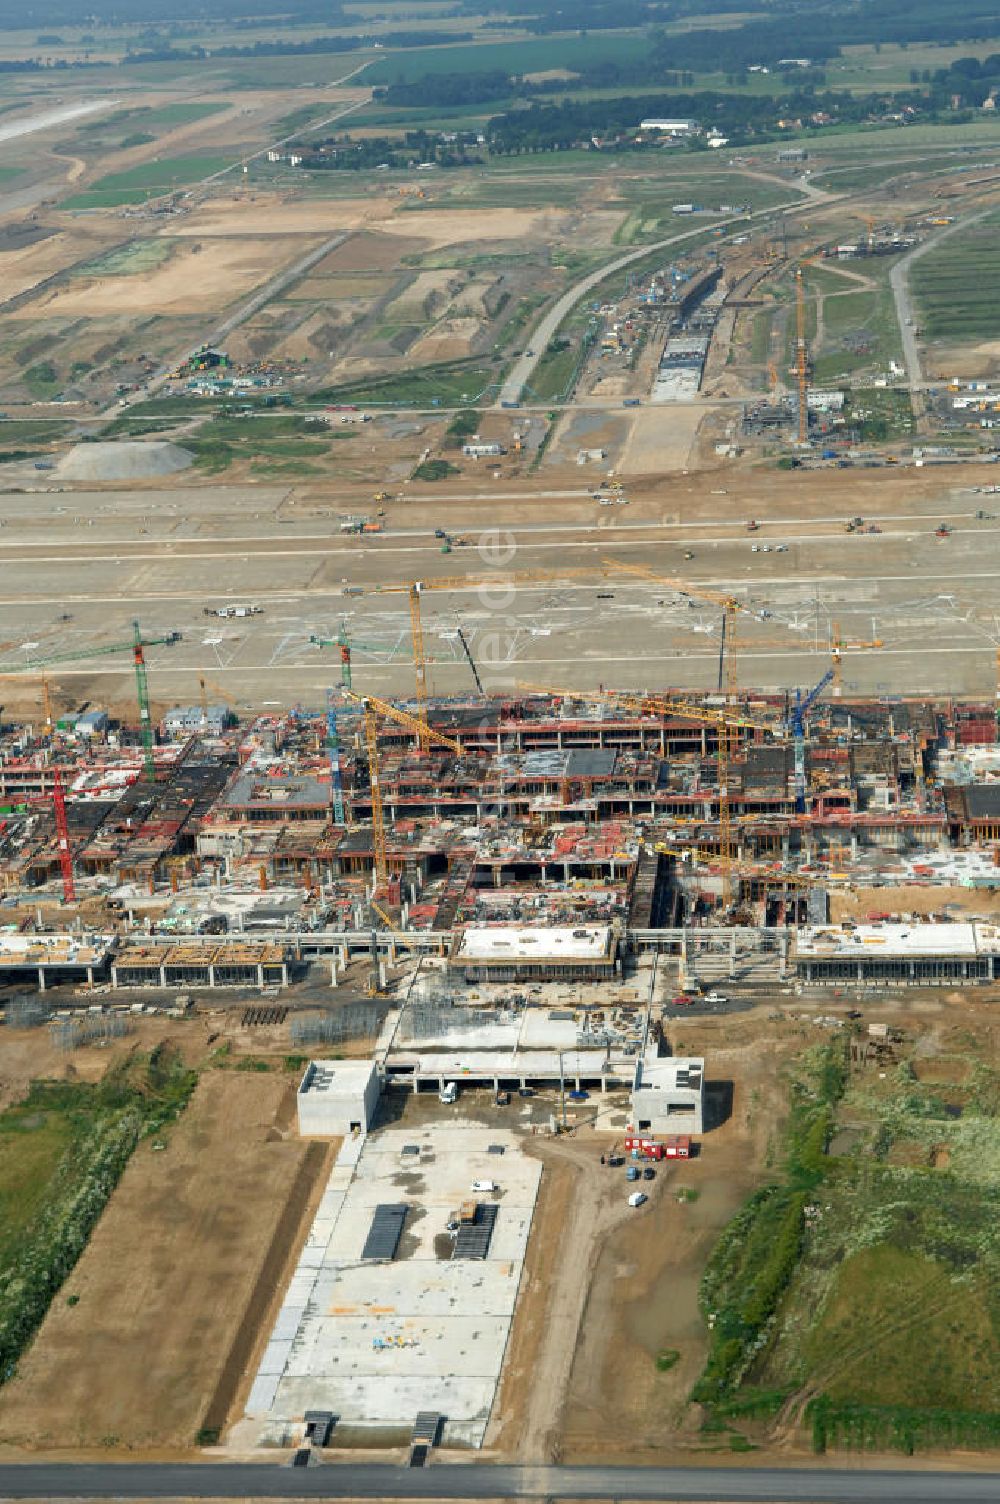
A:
x: 713, y: 1485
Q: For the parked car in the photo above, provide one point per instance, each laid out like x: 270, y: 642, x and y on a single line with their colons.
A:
x: 637, y: 1198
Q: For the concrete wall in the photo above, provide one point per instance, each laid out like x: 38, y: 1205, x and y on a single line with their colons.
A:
x: 335, y: 1098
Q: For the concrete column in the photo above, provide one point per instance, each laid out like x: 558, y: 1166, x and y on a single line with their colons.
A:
x: 782, y: 957
x: 163, y: 976
x: 211, y: 976
x: 114, y: 976
x: 90, y: 976
x: 381, y: 974
x: 41, y: 978
x: 333, y: 972
x: 260, y: 976
x: 732, y: 955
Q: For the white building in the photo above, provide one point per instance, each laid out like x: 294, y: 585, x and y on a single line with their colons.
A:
x: 670, y: 127
x: 188, y: 720
x: 668, y: 1095
x: 337, y: 1098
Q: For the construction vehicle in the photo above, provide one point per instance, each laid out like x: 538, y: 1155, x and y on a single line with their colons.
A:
x: 943, y: 531
x: 854, y: 524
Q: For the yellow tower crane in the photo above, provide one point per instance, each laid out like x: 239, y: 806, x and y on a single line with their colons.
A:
x: 372, y: 708
x: 837, y: 649
x: 731, y: 607
x: 415, y: 589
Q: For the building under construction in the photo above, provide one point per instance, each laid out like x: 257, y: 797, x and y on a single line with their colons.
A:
x: 500, y: 835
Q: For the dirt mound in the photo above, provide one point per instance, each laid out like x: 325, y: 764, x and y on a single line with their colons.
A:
x: 126, y: 461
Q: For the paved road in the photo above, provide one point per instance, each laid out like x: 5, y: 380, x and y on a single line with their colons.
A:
x: 524, y: 367
x: 470, y: 1481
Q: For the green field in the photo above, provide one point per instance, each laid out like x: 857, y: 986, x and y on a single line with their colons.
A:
x: 858, y: 1293
x: 152, y: 178
x: 445, y: 385
x: 183, y: 112
x: 535, y: 56
x: 956, y: 286
x: 126, y: 260
x: 286, y: 445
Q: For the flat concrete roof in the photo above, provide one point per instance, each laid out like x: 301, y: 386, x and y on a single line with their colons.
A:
x: 335, y: 1076
x: 899, y: 940
x: 377, y: 1342
x: 521, y: 943
x: 661, y: 1073
x: 490, y: 1063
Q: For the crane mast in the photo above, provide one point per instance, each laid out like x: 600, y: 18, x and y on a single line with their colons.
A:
x: 333, y: 750
x: 142, y: 697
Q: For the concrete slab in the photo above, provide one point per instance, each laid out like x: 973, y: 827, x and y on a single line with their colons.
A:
x: 377, y: 1342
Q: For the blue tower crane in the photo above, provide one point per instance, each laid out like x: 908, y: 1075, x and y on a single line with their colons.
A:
x: 333, y: 749
x: 797, y: 721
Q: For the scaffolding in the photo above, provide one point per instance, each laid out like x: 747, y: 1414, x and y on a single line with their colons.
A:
x: 26, y: 1012
x: 335, y: 1025
x: 71, y: 1033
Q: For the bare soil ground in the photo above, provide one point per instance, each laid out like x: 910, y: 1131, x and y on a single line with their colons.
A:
x: 960, y: 903
x: 189, y: 281
x: 174, y: 1282
x: 661, y: 440
x: 606, y: 1287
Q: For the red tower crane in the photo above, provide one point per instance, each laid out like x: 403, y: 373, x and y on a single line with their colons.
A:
x: 62, y: 838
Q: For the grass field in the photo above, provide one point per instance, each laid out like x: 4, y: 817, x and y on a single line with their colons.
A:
x: 956, y: 287
x: 183, y: 112
x: 34, y: 1138
x: 139, y: 183
x: 535, y: 56
x: 126, y: 260
x: 880, y: 1317
x: 286, y: 445
x: 443, y: 385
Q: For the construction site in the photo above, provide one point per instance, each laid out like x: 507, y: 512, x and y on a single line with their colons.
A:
x: 499, y: 707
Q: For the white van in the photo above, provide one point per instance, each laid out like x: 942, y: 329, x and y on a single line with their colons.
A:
x: 448, y: 1092
x: 484, y: 1187
x: 637, y: 1198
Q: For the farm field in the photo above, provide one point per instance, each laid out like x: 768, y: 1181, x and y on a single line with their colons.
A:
x: 956, y: 287
x: 138, y: 183
x: 203, y: 1221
